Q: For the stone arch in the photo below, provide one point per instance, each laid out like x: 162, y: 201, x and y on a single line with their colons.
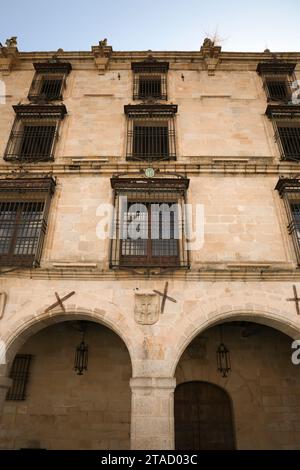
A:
x: 26, y: 328
x: 271, y: 318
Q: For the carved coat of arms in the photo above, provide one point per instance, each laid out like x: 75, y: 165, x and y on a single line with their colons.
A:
x: 146, y: 310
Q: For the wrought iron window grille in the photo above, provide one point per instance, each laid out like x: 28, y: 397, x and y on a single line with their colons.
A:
x: 34, y: 133
x: 148, y: 227
x: 24, y: 209
x: 19, y: 374
x: 150, y: 80
x: 151, y: 132
x: 286, y: 124
x: 49, y: 81
x: 278, y: 77
x: 278, y: 88
x: 289, y: 191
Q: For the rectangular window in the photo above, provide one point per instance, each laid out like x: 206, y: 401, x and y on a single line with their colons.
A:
x: 150, y: 140
x: 151, y: 234
x: 49, y: 81
x: 277, y: 77
x: 286, y: 123
x: 150, y: 133
x: 19, y: 374
x: 289, y: 139
x: 23, y: 220
x: 150, y: 80
x: 34, y: 133
x: 148, y: 226
x: 36, y: 141
x: 278, y: 88
x: 289, y: 190
x: 51, y: 87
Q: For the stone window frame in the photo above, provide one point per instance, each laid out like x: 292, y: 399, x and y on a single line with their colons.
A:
x: 48, y: 71
x: 277, y: 71
x: 285, y: 116
x: 19, y: 194
x: 49, y: 116
x: 152, y: 70
x: 289, y: 191
x: 146, y: 191
x: 146, y: 114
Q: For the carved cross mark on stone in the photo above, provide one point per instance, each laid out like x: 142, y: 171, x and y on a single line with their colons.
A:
x: 164, y: 297
x: 296, y: 299
x: 60, y: 301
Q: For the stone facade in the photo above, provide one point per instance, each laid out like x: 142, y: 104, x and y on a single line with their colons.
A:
x: 244, y: 272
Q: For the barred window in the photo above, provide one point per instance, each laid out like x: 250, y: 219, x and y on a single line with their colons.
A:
x: 277, y: 78
x: 34, y: 133
x: 19, y: 374
x: 24, y: 207
x: 148, y: 225
x: 289, y: 138
x: 286, y: 123
x: 278, y: 88
x: 150, y: 132
x: 49, y: 81
x: 150, y: 80
x: 289, y: 190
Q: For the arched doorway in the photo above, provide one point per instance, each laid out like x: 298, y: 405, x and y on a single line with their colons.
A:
x: 261, y: 386
x: 203, y: 417
x: 64, y: 410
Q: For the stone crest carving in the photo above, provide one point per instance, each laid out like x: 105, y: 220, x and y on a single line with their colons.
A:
x: 146, y: 310
x: 3, y: 297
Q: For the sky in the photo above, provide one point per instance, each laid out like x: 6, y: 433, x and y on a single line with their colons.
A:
x: 158, y: 25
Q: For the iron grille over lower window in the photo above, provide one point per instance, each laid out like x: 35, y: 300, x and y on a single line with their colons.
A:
x: 286, y: 122
x: 289, y: 140
x: 19, y: 374
x: 23, y: 220
x: 151, y: 141
x: 149, y: 223
x: 150, y: 133
x: 289, y: 190
x: 34, y: 133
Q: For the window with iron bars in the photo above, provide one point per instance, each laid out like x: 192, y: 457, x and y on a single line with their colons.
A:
x: 150, y: 133
x: 19, y: 374
x: 150, y: 80
x: 24, y: 208
x: 286, y: 123
x: 278, y: 87
x: 34, y: 134
x: 148, y: 227
x: 277, y: 80
x: 49, y: 81
x: 289, y: 190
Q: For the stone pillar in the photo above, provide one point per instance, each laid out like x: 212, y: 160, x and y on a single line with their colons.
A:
x: 152, y: 413
x: 5, y: 383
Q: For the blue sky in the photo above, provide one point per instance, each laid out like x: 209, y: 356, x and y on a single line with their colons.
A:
x: 153, y: 24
